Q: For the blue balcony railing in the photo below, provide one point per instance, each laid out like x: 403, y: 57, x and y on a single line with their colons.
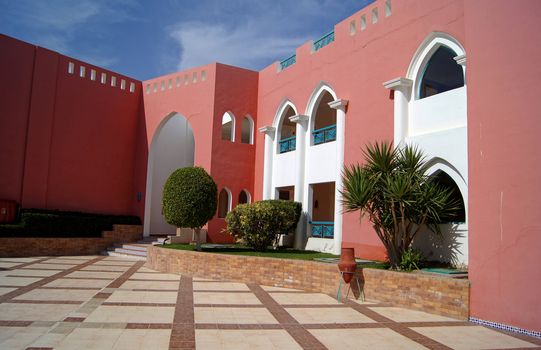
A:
x: 326, y: 134
x: 324, y: 41
x: 288, y: 62
x: 322, y: 229
x: 288, y: 145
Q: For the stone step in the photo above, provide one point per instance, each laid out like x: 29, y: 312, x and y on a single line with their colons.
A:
x: 129, y: 256
x: 134, y: 246
x: 131, y: 252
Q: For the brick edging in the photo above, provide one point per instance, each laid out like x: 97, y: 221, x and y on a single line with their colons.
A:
x: 433, y: 294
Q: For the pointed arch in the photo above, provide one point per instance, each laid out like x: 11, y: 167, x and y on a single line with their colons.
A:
x: 172, y: 147
x: 430, y: 45
x: 323, y: 93
x: 228, y: 126
x: 247, y: 130
x: 244, y: 197
x: 224, y: 202
x: 285, y: 129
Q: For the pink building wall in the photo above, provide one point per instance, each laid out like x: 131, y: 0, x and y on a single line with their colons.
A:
x: 356, y: 66
x: 505, y: 196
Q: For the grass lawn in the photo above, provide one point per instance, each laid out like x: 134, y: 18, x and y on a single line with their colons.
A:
x: 278, y: 254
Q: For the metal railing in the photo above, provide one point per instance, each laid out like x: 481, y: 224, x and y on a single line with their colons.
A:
x: 287, y: 145
x: 322, y: 229
x: 324, y: 41
x: 288, y: 62
x: 323, y: 135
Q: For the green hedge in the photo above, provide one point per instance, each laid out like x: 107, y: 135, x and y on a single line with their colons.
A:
x: 260, y: 224
x: 54, y: 223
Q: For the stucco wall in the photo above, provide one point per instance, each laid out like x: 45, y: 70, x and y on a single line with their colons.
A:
x: 64, y: 134
x: 503, y: 137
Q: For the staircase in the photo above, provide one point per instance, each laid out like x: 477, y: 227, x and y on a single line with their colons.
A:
x: 137, y: 250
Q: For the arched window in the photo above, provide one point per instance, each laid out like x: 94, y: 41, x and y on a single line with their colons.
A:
x: 228, y: 127
x: 224, y: 202
x: 244, y: 197
x: 324, y: 120
x: 441, y: 73
x: 287, y: 140
x: 247, y: 131
x: 446, y: 181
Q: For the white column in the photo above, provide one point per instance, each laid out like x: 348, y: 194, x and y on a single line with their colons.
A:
x: 269, y: 132
x: 300, y: 155
x: 340, y: 106
x: 402, y: 93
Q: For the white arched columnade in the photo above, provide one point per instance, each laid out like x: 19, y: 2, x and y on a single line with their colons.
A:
x: 324, y: 162
x: 172, y: 147
x: 436, y: 121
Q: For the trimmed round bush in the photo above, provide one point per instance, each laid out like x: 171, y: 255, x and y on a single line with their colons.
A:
x: 189, y: 198
x: 260, y: 224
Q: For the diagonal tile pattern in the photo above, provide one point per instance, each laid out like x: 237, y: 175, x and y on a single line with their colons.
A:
x: 95, y: 302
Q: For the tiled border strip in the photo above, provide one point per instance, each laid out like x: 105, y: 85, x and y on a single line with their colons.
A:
x: 397, y: 327
x: 44, y: 281
x: 183, y: 330
x: 505, y: 327
x: 126, y: 275
x: 22, y: 265
x: 303, y: 337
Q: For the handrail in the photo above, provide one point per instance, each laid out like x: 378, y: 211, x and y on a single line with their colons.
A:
x: 291, y: 60
x: 324, y: 41
x: 324, y: 128
x: 288, y: 138
x: 322, y: 222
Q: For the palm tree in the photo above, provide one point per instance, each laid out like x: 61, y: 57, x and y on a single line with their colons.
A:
x: 393, y: 190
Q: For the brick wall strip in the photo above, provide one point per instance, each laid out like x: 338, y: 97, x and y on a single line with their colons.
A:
x: 434, y: 294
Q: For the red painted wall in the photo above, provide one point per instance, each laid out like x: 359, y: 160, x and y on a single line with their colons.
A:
x: 503, y: 73
x: 77, y: 130
x: 356, y: 66
x: 232, y: 163
x: 16, y: 66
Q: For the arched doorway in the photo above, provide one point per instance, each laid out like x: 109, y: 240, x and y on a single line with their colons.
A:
x: 172, y: 147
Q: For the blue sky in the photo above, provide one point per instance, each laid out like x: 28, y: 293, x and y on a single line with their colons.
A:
x: 144, y: 39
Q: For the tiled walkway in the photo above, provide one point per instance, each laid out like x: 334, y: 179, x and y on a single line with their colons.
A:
x: 113, y: 303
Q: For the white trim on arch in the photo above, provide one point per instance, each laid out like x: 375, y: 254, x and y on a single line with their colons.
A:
x: 281, y: 111
x: 438, y: 164
x: 248, y: 195
x: 424, y: 53
x: 314, y: 100
x: 229, y: 201
x: 252, y: 126
x: 233, y: 124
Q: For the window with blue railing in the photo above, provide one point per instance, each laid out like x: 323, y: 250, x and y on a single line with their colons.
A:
x: 288, y: 139
x: 325, y: 121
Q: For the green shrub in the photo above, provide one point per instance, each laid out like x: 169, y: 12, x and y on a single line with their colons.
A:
x: 260, y: 224
x: 55, y: 223
x: 411, y: 259
x: 189, y: 198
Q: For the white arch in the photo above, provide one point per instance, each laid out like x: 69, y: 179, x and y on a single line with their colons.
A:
x: 314, y: 100
x: 425, y: 51
x: 229, y: 199
x: 252, y: 125
x: 248, y: 195
x: 438, y: 164
x: 188, y: 154
x: 281, y: 111
x: 229, y: 116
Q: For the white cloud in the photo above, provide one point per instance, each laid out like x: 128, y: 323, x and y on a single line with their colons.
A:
x: 242, y: 46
